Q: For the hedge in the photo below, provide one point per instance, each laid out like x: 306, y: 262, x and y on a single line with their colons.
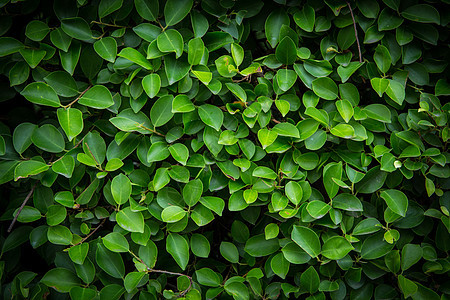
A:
x: 205, y: 149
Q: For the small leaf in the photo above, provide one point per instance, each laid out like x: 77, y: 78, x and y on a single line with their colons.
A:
x: 41, y: 93
x: 151, y: 84
x: 211, y: 115
x: 71, y: 121
x: 129, y: 220
x: 178, y: 247
x: 176, y: 10
x: 396, y: 201
x: 116, y: 242
x: 171, y: 41
x: 106, y: 48
x: 307, y: 239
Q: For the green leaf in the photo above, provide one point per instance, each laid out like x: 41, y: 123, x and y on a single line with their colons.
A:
x: 62, y: 83
x: 130, y: 220
x: 307, y: 239
x: 396, y: 201
x: 181, y: 104
x: 345, y: 131
x: 171, y: 41
x: 211, y: 115
x: 151, y: 84
x: 204, y: 77
x: 411, y: 254
x: 375, y: 247
x: 273, y: 25
x: 316, y: 141
x: 59, y: 235
x: 345, y: 109
x: 77, y: 28
x: 109, y: 261
x: 422, y: 13
x: 266, y: 137
x: 176, y: 10
x: 208, y: 277
x: 286, y: 78
x: 378, y: 112
x: 60, y: 39
x: 116, y: 242
x: 121, y: 189
x: 379, y: 85
x: 336, y: 248
x: 161, y: 111
x: 286, y: 51
x: 32, y: 56
x: 294, y: 192
x: 41, y: 93
x: 71, y: 121
x: 180, y: 153
x: 107, y: 7
x: 148, y: 10
x: 279, y: 265
x: 161, y: 179
x: 132, y: 280
x: 48, y: 138
x: 317, y: 209
x: 407, y: 286
x: 396, y: 91
x: 36, y: 30
x: 225, y: 66
x: 29, y: 168
x: 229, y: 252
x: 238, y: 54
x: 325, y: 88
x: 64, y: 166
x: 196, y: 50
x: 237, y: 90
x: 199, y: 23
x: 178, y: 247
x: 157, y: 152
x: 345, y: 72
x: 382, y: 58
x: 106, y: 48
x: 192, y: 192
x: 305, y: 18
x: 286, y: 129
x: 347, y: 202
x: 330, y: 171
x: 175, y: 69
x: 318, y: 68
x: 28, y: 214
x: 98, y: 97
x: 78, y: 253
x: 172, y: 214
x: 309, y: 280
x: 136, y: 57
x: 60, y: 279
x: 9, y: 46
x: 258, y: 246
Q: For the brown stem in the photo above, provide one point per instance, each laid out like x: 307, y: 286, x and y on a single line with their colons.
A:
x: 356, y: 31
x: 90, y: 233
x: 21, y: 207
x: 165, y: 272
x: 151, y: 130
x: 110, y: 25
x: 78, y: 98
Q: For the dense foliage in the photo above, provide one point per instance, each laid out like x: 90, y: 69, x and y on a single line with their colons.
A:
x: 240, y: 149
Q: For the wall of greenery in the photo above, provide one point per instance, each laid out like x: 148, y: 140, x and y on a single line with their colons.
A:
x: 224, y: 149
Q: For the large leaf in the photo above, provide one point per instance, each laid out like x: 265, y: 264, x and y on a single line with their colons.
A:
x: 178, y: 247
x: 307, y: 239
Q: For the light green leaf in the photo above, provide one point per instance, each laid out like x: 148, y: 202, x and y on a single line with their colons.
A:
x: 396, y: 201
x: 307, y: 239
x: 98, y: 97
x: 136, y: 57
x: 106, y: 48
x: 121, y: 189
x: 131, y: 221
x: 116, y: 242
x: 325, y: 88
x: 171, y: 41
x: 172, y: 214
x: 211, y: 115
x: 161, y: 111
x: 71, y: 121
x: 41, y: 93
x: 178, y: 247
x: 29, y: 168
x: 151, y: 84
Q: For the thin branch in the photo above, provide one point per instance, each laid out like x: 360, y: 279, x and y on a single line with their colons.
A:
x: 151, y: 130
x: 149, y: 270
x: 78, y: 98
x: 21, y: 207
x: 90, y: 234
x: 110, y: 25
x: 356, y: 31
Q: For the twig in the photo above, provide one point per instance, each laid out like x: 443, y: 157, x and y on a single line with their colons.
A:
x: 78, y: 98
x: 90, y: 234
x: 165, y: 272
x: 21, y: 207
x: 151, y: 130
x: 356, y: 31
x: 110, y: 25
